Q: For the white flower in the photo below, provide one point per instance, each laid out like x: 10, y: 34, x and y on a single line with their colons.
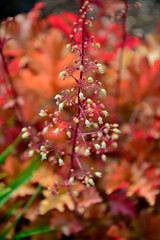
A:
x: 103, y: 145
x: 99, y: 134
x: 61, y: 105
x: 100, y: 69
x: 68, y: 46
x: 45, y: 130
x: 58, y: 97
x: 81, y: 95
x: 100, y: 120
x: 88, y: 124
x: 76, y: 120
x: 81, y: 68
x: 56, y: 131
x: 25, y: 135
x: 90, y: 79
x: 86, y: 180
x: 115, y: 130
x: 71, y: 180
x: 87, y: 152
x: 75, y: 47
x: 95, y: 125
x: 98, y: 174
x: 60, y: 162
x: 61, y: 75
x: 104, y: 158
x: 115, y: 125
x: 99, y: 65
x: 42, y: 113
x: 91, y: 182
x: 115, y: 136
x: 24, y: 129
x: 98, y: 45
x: 69, y: 134
x: 97, y: 146
x: 44, y: 156
x: 31, y: 153
x: 42, y: 148
x: 76, y: 149
x: 89, y: 100
x: 105, y: 113
x: 103, y: 91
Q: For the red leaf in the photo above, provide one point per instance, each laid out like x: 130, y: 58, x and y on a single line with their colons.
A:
x: 120, y: 204
x: 62, y: 22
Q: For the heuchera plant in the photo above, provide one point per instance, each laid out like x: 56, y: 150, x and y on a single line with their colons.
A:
x: 86, y: 130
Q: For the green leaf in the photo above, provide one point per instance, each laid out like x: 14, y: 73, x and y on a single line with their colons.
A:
x: 38, y: 189
x: 22, y: 178
x: 9, y: 149
x: 41, y: 230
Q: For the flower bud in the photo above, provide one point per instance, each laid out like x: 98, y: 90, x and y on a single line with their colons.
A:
x: 76, y: 149
x: 69, y: 134
x: 103, y: 91
x: 104, y: 158
x: 88, y: 124
x: 98, y: 45
x: 45, y: 130
x: 98, y: 174
x: 105, y: 113
x: 25, y: 135
x: 100, y: 120
x: 60, y: 162
x: 24, y: 129
x: 103, y: 145
x: 61, y: 105
x: 81, y: 95
x: 58, y: 97
x: 90, y: 79
x: 97, y: 146
x: 91, y: 182
x: 115, y: 130
x: 87, y: 152
x: 56, y: 131
x: 44, y: 156
x: 61, y: 75
x: 68, y: 46
x: 42, y: 113
x: 31, y: 153
x: 81, y: 68
x: 71, y: 180
x: 42, y: 148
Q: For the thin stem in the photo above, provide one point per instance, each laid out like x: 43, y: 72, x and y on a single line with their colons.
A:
x: 79, y: 102
x: 118, y: 85
x: 11, y: 86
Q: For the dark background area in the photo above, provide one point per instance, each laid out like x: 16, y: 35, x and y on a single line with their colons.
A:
x: 140, y: 20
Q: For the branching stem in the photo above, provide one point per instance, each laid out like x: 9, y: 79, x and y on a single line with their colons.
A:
x: 79, y: 102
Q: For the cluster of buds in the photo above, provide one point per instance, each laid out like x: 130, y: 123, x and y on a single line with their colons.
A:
x: 25, y: 133
x: 87, y: 132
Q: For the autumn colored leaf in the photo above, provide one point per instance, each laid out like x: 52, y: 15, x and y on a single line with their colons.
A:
x: 55, y: 202
x: 120, y: 204
x: 88, y: 197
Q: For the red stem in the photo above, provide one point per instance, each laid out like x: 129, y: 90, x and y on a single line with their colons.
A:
x: 11, y: 86
x: 79, y: 102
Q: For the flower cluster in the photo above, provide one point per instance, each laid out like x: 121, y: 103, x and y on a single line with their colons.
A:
x: 87, y: 132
